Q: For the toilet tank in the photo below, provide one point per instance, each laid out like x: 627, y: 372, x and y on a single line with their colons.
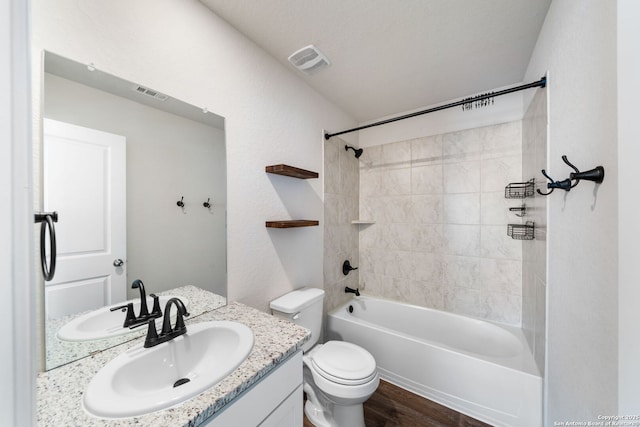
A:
x: 302, y: 307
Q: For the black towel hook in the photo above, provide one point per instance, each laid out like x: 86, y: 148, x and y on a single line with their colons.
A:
x: 551, y: 182
x: 596, y: 175
x: 564, y: 159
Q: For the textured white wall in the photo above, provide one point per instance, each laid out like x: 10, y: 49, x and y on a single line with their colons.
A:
x: 629, y: 204
x: 272, y: 116
x: 577, y: 45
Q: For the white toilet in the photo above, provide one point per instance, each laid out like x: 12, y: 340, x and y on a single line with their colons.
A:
x: 338, y: 376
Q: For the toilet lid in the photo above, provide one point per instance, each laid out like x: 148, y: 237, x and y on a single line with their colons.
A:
x: 344, y: 363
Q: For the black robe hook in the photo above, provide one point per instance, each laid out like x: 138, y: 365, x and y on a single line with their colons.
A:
x: 596, y: 175
x: 563, y: 185
x: 550, y: 179
x: 564, y: 159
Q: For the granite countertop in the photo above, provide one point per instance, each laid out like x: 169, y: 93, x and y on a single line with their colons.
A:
x: 60, y: 352
x: 60, y: 390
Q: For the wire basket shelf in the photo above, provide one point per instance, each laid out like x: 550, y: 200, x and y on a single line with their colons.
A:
x: 521, y: 231
x: 519, y: 190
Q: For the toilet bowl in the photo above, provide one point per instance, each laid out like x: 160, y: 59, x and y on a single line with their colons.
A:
x: 338, y: 376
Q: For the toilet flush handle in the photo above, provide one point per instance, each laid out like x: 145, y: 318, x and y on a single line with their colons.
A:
x: 295, y: 316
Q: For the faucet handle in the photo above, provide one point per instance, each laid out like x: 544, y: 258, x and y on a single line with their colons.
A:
x: 152, y: 334
x: 130, y: 318
x: 156, y: 311
x: 120, y: 307
x: 347, y: 267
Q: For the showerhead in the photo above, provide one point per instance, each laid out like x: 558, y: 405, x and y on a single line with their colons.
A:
x: 357, y: 152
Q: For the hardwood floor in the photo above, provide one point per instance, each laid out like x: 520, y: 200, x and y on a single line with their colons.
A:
x: 392, y: 406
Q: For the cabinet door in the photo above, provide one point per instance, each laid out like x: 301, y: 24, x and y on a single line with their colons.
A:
x: 288, y: 414
x: 275, y: 400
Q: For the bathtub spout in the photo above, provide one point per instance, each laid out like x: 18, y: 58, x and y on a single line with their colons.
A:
x: 348, y: 290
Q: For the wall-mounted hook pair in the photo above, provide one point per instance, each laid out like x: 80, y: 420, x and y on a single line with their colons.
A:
x: 596, y: 175
x: 206, y: 204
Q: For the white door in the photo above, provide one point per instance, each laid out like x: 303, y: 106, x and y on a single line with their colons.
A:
x: 84, y: 180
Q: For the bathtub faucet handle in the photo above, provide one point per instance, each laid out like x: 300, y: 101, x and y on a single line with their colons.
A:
x: 348, y: 290
x: 346, y: 267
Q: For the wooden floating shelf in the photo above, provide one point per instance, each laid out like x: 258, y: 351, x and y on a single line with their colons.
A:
x: 291, y: 223
x: 291, y: 171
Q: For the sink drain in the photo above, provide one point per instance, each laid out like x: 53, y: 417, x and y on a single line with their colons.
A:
x: 180, y: 382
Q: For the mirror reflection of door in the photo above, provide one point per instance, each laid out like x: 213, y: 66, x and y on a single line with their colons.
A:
x: 84, y: 180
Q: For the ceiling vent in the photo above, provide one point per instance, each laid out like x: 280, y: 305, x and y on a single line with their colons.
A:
x: 150, y: 92
x: 309, y: 59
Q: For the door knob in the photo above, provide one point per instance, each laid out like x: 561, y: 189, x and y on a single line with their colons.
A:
x: 118, y: 263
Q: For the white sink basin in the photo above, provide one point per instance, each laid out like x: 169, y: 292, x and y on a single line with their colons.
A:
x: 103, y: 323
x: 142, y: 380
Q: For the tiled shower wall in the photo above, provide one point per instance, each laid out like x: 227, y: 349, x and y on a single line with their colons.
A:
x: 439, y: 238
x: 534, y: 252
x: 341, y: 189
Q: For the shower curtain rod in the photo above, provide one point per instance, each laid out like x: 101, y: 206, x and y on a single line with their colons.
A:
x: 540, y: 83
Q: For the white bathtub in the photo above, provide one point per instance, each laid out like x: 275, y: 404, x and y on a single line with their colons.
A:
x: 482, y: 369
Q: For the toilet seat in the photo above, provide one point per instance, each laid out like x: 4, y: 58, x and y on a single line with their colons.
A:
x: 343, y: 363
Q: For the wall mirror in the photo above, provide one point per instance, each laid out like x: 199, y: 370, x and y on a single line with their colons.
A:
x: 138, y: 180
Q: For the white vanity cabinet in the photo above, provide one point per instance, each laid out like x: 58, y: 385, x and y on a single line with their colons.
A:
x: 275, y: 401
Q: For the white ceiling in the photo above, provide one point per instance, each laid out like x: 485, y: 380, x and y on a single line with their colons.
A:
x: 391, y: 56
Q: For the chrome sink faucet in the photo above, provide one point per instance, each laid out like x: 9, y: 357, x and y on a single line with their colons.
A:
x: 168, y: 333
x: 131, y: 320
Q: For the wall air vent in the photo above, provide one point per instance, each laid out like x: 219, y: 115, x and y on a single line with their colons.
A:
x: 309, y: 59
x: 150, y: 92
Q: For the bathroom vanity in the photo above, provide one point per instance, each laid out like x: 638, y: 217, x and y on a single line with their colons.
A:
x: 265, y: 390
x: 274, y: 401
